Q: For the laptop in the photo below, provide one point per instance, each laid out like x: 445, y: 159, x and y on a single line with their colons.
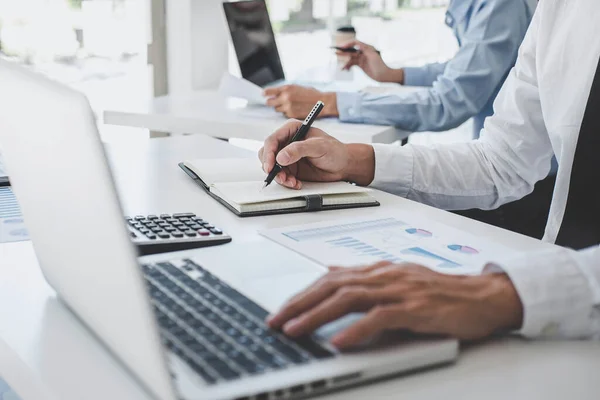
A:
x: 254, y: 42
x: 187, y: 325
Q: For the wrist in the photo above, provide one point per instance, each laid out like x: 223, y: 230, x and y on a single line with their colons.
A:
x: 330, y: 101
x: 501, y: 304
x: 397, y: 76
x: 361, y: 164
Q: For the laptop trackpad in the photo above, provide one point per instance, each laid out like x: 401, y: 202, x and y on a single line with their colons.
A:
x: 265, y: 272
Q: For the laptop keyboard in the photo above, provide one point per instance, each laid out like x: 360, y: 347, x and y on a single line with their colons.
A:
x: 216, y: 330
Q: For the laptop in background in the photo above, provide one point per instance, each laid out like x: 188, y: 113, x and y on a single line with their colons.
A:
x: 254, y: 42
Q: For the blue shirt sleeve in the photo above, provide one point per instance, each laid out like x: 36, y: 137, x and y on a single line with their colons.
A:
x: 492, y: 35
x: 423, y: 76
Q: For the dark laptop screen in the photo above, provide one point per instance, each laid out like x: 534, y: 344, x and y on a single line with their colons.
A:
x: 254, y: 41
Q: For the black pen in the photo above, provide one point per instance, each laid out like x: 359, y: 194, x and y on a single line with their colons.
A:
x: 350, y: 49
x: 299, y: 135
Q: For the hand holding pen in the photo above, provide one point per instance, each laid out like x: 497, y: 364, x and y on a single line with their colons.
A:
x: 317, y: 158
x: 368, y: 58
x: 299, y: 135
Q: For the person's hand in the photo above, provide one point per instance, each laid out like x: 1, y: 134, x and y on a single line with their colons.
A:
x: 295, y: 101
x: 369, y: 60
x: 319, y: 157
x: 403, y: 297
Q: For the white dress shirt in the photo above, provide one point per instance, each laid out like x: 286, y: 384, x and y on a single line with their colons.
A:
x: 538, y: 113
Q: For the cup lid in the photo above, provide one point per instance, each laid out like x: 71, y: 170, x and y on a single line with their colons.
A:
x: 346, y: 29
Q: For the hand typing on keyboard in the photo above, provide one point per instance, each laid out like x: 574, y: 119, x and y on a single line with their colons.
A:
x: 216, y: 330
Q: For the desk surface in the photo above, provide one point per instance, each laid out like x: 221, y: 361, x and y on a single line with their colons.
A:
x: 210, y: 113
x: 45, y: 352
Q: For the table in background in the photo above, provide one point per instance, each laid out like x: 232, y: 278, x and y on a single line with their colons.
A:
x: 46, y: 353
x: 213, y: 114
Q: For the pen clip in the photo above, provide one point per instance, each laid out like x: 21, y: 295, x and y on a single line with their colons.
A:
x: 317, y: 106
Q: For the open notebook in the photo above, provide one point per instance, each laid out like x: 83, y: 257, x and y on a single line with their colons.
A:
x: 237, y: 184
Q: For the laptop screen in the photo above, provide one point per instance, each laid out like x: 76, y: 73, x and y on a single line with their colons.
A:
x: 254, y: 41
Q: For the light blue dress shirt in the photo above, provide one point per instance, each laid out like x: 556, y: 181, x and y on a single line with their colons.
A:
x: 489, y: 33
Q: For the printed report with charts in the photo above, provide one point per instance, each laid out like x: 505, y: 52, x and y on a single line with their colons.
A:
x: 237, y: 184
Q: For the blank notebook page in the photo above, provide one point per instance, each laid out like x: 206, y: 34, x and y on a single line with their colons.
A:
x: 216, y: 170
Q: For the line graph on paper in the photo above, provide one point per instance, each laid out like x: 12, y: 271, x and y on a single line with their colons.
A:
x: 394, y: 239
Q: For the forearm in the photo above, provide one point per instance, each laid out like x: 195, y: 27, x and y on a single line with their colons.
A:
x: 480, y: 174
x: 424, y: 75
x: 428, y: 109
x: 394, y: 75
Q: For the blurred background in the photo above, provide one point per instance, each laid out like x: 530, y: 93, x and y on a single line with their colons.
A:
x: 100, y: 47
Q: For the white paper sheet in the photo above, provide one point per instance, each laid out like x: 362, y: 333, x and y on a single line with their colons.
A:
x: 398, y: 238
x: 233, y: 86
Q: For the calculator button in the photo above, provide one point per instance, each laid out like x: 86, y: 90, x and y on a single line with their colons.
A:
x: 163, y: 235
x: 151, y: 217
x: 170, y: 229
x: 195, y: 227
x: 183, y: 215
x: 144, y: 230
x: 151, y: 236
x: 156, y: 230
x: 216, y: 231
x: 190, y: 233
x: 165, y: 216
x: 177, y: 234
x: 209, y: 227
x: 139, y: 217
x: 203, y: 232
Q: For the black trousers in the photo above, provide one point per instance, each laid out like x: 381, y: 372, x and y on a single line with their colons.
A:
x: 527, y: 216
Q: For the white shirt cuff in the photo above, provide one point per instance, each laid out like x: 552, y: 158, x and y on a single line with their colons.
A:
x: 393, y: 169
x: 555, y: 293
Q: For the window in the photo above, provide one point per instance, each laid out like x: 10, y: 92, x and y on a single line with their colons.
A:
x: 95, y: 46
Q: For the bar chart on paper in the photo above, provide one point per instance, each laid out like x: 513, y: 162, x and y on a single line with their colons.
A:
x: 12, y: 226
x: 394, y: 239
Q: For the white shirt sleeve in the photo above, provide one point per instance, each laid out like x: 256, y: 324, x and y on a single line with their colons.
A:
x: 513, y: 153
x: 559, y: 288
x: 560, y: 291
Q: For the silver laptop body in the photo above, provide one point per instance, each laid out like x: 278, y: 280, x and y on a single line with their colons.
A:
x: 62, y: 180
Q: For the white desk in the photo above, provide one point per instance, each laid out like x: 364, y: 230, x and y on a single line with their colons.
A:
x: 212, y: 114
x: 45, y: 352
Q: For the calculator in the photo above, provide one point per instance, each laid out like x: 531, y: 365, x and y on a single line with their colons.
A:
x: 164, y: 233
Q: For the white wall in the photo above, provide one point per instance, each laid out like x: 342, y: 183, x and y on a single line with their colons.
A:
x: 197, y: 44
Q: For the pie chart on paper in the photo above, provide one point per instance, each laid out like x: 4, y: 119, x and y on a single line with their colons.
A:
x: 463, y: 249
x: 418, y: 232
